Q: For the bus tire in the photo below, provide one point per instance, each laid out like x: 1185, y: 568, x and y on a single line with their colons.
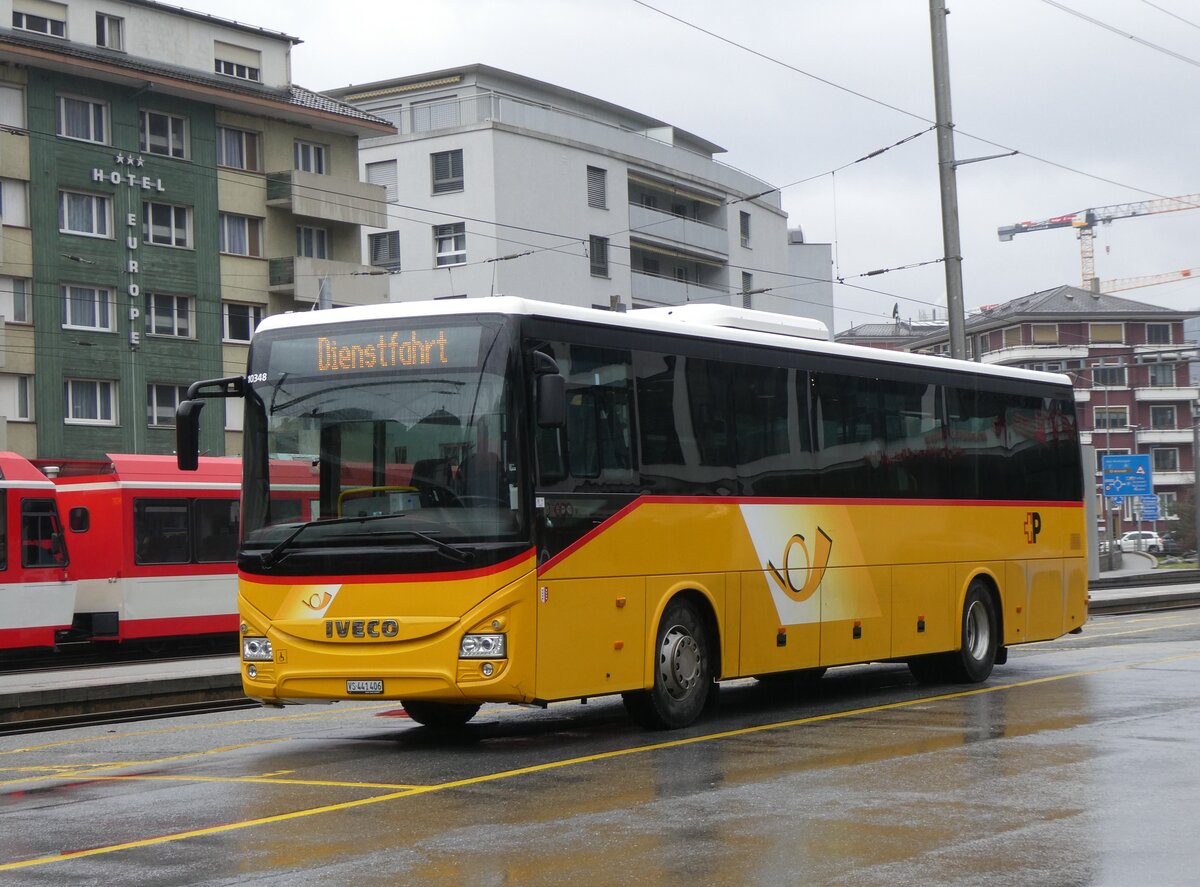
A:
x: 980, y: 629
x: 683, y: 681
x: 443, y: 715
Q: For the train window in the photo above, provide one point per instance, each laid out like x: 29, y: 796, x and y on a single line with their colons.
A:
x: 3, y: 529
x: 41, y: 535
x: 216, y: 525
x: 160, y: 531
x: 79, y: 519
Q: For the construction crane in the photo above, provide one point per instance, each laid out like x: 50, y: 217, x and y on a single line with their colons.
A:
x: 1086, y: 220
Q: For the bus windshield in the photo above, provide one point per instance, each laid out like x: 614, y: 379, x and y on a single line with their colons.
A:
x: 383, y: 432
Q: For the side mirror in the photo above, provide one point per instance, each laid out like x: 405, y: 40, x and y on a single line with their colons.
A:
x: 187, y: 434
x: 551, y: 401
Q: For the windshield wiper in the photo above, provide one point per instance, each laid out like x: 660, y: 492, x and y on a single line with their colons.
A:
x: 463, y: 557
x: 273, y: 555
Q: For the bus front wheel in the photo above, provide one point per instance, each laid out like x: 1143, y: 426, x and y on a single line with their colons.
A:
x: 682, y: 671
x: 444, y: 715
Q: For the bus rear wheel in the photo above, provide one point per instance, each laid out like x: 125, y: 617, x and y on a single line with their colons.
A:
x: 683, y: 680
x: 444, y: 715
x: 979, y: 639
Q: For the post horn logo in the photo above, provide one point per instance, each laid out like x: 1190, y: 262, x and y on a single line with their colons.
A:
x: 816, y: 563
x: 318, y: 600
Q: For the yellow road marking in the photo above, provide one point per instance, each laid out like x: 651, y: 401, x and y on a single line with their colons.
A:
x: 572, y: 762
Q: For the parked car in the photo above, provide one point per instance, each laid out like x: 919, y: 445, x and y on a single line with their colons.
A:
x: 1142, y: 540
x: 1174, y: 545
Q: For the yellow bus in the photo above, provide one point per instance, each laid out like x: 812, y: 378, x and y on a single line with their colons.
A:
x: 523, y: 502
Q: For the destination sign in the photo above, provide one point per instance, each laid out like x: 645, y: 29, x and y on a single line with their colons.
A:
x: 346, y: 351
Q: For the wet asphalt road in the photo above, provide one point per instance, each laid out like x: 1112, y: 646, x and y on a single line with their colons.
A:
x: 1075, y: 765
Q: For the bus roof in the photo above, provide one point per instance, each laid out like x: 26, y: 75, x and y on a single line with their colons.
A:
x: 667, y: 322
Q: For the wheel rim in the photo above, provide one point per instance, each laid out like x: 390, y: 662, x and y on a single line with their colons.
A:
x: 979, y: 631
x: 679, y: 661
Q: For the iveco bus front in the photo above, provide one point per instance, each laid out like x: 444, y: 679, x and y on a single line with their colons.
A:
x: 409, y: 572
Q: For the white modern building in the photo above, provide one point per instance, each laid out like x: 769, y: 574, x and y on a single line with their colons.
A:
x: 503, y: 185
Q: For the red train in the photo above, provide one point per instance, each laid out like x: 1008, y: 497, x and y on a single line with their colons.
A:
x: 37, y: 596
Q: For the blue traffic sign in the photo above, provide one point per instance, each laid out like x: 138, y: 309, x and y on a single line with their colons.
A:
x: 1127, y: 475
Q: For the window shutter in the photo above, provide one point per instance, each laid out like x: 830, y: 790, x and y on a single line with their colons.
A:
x: 385, y: 249
x: 597, y: 187
x: 384, y: 173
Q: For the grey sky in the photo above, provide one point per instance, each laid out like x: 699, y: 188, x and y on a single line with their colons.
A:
x: 1024, y: 73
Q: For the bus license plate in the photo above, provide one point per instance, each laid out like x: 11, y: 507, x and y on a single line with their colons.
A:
x: 364, y: 688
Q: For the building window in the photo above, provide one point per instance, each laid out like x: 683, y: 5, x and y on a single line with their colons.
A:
x: 450, y: 244
x: 1012, y: 337
x: 1165, y: 458
x: 312, y: 242
x: 435, y: 114
x: 237, y: 61
x: 50, y: 18
x: 385, y: 250
x: 24, y: 404
x: 14, y: 208
x: 110, y: 31
x: 240, y: 235
x: 747, y: 285
x: 1108, y: 376
x: 1107, y: 333
x: 161, y: 401
x: 240, y: 321
x: 87, y: 308
x: 16, y: 300
x: 238, y: 149
x: 88, y: 214
x: 1158, y: 334
x: 384, y: 173
x: 1168, y: 504
x: 310, y: 157
x: 1162, y: 417
x: 447, y: 171
x: 164, y: 134
x: 744, y: 223
x: 1162, y: 375
x: 597, y: 187
x: 168, y: 315
x: 167, y: 225
x: 82, y: 119
x: 1045, y: 333
x: 598, y: 251
x: 12, y: 106
x: 1112, y: 418
x: 89, y: 402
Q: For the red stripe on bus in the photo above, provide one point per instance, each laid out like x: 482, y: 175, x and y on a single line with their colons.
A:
x: 457, y: 575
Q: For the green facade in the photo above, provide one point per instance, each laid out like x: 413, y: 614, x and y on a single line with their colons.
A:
x: 123, y: 262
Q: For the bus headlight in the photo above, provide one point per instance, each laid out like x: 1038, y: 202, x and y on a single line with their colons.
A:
x: 483, y: 646
x: 256, y: 650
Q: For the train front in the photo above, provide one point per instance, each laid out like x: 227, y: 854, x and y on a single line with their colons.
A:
x: 385, y: 549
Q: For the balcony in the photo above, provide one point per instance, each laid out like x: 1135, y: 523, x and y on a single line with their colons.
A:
x: 349, y: 283
x: 327, y: 198
x: 1164, y: 436
x: 1161, y: 395
x: 657, y: 290
x: 669, y: 229
x: 1173, y: 478
x: 1020, y: 354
